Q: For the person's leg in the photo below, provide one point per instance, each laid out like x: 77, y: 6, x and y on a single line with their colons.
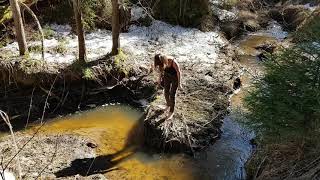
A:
x: 167, y: 85
x: 172, y: 96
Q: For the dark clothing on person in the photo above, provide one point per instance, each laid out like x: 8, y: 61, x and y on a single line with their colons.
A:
x: 171, y: 71
x: 170, y: 81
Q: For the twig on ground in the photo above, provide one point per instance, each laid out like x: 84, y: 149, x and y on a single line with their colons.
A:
x: 313, y: 163
x: 90, y: 166
x: 146, y: 10
x: 259, y: 167
x: 24, y: 145
x: 5, y: 117
x: 30, y: 107
x: 188, y: 134
x: 62, y: 95
x: 212, y: 119
x: 45, y: 103
x: 1, y: 164
x: 83, y: 91
x: 52, y: 158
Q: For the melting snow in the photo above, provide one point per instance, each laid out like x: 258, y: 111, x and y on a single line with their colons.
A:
x: 310, y: 7
x: 186, y: 44
x: 8, y: 176
x: 274, y: 30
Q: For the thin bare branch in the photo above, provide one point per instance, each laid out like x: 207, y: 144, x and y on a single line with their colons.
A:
x: 30, y: 107
x: 45, y: 103
x: 6, y: 119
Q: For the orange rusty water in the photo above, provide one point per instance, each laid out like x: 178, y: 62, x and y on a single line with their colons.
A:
x: 111, y: 128
x: 252, y: 65
x: 248, y: 44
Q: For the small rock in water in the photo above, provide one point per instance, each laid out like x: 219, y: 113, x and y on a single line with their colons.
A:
x: 253, y: 142
x: 266, y: 47
x: 91, y: 145
x: 261, y: 56
x: 237, y: 83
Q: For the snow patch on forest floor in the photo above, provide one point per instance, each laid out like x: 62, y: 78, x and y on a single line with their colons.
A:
x: 274, y: 30
x: 186, y: 44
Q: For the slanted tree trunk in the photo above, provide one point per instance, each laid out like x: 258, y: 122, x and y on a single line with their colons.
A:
x: 20, y: 35
x: 80, y: 31
x: 115, y: 27
x: 38, y: 24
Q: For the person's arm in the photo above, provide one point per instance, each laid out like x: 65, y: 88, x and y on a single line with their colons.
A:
x: 160, y: 75
x: 177, y: 68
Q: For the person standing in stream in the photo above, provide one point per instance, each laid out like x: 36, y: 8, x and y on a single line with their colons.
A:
x: 169, y: 78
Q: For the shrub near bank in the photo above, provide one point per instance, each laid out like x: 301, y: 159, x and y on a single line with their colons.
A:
x: 284, y: 108
x: 287, y: 99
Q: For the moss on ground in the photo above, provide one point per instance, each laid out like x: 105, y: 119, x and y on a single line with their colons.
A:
x: 35, y: 48
x: 31, y: 66
x: 5, y: 14
x: 88, y: 74
x: 119, y: 62
x: 62, y: 46
x: 229, y: 4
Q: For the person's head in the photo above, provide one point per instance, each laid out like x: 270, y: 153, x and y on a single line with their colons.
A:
x: 160, y: 60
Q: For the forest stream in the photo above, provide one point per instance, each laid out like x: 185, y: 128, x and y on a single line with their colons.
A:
x: 111, y: 131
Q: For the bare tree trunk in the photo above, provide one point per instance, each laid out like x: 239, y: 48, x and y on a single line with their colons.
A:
x: 115, y: 27
x: 38, y: 24
x: 80, y: 31
x: 21, y: 38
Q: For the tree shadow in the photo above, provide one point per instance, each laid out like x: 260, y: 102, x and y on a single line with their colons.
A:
x: 98, y: 165
x: 107, y: 163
